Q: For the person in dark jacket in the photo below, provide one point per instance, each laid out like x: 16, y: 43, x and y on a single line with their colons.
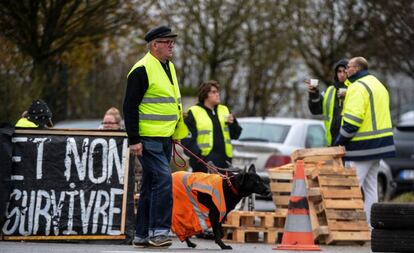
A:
x: 330, y: 102
x: 211, y: 127
x: 37, y: 116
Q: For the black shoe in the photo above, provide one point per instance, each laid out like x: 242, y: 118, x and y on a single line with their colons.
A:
x: 140, y: 243
x: 160, y: 241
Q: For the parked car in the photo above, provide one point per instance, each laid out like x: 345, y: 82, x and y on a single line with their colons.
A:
x: 401, y: 167
x: 272, y: 140
x: 385, y: 182
x: 79, y: 124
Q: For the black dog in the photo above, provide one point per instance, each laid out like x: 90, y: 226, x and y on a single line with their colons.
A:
x: 243, y: 184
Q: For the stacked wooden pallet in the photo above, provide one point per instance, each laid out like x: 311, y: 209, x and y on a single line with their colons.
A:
x: 339, y: 207
x: 335, y: 200
x: 252, y: 226
x: 281, y: 179
x: 320, y: 157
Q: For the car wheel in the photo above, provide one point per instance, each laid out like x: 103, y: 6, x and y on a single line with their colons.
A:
x: 381, y: 188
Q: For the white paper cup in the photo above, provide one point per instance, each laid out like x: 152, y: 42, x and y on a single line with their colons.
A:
x: 314, y: 83
x: 341, y: 92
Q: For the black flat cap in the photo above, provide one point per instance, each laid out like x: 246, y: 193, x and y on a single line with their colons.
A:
x: 39, y: 112
x: 159, y: 32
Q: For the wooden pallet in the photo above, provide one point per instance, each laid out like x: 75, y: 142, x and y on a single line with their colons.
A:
x: 339, y: 207
x: 331, y: 157
x: 335, y: 200
x: 252, y: 226
x: 251, y: 234
x: 256, y: 219
x: 302, y: 154
x: 281, y: 179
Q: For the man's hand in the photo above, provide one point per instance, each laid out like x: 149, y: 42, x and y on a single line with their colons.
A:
x: 230, y: 119
x: 311, y: 88
x: 136, y: 149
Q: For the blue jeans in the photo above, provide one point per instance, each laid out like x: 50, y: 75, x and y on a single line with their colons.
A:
x: 155, y: 200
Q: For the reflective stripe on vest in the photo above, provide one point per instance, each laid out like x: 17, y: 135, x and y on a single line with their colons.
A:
x: 205, y: 131
x: 328, y: 110
x: 372, y: 151
x: 158, y: 117
x: 216, y: 197
x: 160, y: 108
x: 349, y: 116
x: 201, y: 217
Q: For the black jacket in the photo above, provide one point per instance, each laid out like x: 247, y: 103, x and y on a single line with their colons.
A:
x: 316, y: 100
x: 218, y: 153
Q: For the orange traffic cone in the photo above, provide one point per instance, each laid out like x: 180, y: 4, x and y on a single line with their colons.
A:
x: 298, y: 234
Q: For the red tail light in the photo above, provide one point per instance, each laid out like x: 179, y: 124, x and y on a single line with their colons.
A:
x: 277, y: 160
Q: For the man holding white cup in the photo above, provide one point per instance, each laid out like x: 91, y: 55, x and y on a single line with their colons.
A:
x: 330, y: 102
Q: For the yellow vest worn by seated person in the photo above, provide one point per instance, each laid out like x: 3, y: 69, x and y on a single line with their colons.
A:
x: 160, y: 111
x: 205, y: 133
x: 25, y: 123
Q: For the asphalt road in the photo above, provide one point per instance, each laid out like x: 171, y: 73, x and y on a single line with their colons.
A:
x: 177, y: 247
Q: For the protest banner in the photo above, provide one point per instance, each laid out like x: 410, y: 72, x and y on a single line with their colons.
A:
x: 69, y: 185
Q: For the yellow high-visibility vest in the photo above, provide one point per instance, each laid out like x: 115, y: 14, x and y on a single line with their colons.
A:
x: 160, y: 111
x: 367, y: 106
x: 205, y: 133
x: 328, y: 110
x: 25, y: 123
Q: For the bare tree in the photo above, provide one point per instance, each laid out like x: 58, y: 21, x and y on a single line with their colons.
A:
x: 211, y: 33
x: 392, y: 28
x: 44, y: 29
x: 268, y: 59
x: 326, y: 31
x: 242, y: 44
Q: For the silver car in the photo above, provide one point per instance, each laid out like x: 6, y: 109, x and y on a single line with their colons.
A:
x: 272, y: 140
x: 79, y: 124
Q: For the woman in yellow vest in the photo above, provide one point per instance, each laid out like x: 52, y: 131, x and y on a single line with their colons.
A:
x: 212, y: 126
x: 330, y: 102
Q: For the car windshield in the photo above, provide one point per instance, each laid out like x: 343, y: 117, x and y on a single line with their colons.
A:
x: 265, y: 132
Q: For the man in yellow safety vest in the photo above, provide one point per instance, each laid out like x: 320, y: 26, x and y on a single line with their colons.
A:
x: 366, y: 130
x: 153, y: 118
x: 330, y: 102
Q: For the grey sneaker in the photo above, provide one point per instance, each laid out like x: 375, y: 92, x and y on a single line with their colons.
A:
x: 160, y: 241
x: 140, y: 243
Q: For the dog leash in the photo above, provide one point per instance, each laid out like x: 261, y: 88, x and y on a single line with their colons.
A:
x: 210, y: 167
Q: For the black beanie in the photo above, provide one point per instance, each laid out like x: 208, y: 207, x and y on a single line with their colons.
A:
x: 40, y: 113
